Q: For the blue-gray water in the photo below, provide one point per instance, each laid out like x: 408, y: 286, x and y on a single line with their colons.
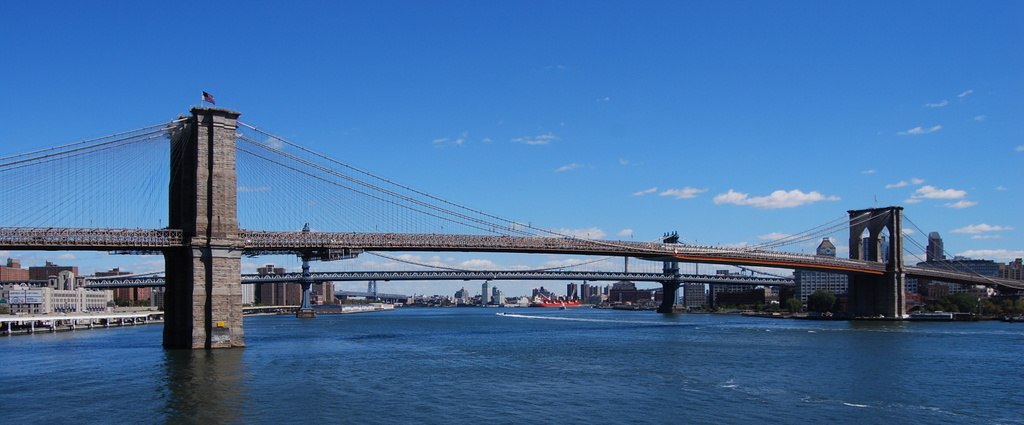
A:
x: 471, y: 366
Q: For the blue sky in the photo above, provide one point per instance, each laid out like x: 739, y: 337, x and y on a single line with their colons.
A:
x: 727, y: 121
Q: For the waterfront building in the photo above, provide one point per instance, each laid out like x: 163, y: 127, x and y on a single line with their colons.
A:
x: 572, y: 291
x: 485, y: 296
x: 13, y: 271
x: 694, y: 294
x: 1012, y: 270
x: 497, y: 297
x: 960, y: 264
x: 809, y: 281
x: 626, y: 292
x: 132, y: 295
x: 63, y: 293
x: 289, y: 293
x: 50, y: 269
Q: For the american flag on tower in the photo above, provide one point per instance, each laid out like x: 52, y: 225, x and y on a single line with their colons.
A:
x: 208, y: 98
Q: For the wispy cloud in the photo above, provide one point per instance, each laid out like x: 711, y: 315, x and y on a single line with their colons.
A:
x: 544, y: 139
x: 980, y: 118
x: 447, y: 141
x: 1020, y: 148
x: 604, y: 99
x: 645, y: 191
x: 981, y: 228
x: 869, y: 171
x: 569, y: 167
x: 932, y: 192
x: 962, y: 95
x: 937, y: 104
x: 914, y: 181
x: 628, y: 162
x: 961, y: 204
x: 777, y: 199
x: 684, y: 193
x: 591, y: 233
x: 773, y: 236
x: 919, y: 130
x: 624, y: 233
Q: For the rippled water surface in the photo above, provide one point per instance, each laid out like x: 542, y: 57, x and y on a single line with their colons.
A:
x: 472, y: 366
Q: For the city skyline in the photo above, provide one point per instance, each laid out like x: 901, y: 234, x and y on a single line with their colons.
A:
x: 731, y: 123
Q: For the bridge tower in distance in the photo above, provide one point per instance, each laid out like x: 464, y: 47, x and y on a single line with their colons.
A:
x: 203, y: 299
x: 670, y: 286
x: 878, y: 295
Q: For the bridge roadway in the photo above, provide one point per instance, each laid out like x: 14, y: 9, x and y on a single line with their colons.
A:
x: 290, y: 242
x: 150, y: 281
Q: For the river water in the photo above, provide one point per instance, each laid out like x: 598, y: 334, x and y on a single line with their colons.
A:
x: 473, y: 366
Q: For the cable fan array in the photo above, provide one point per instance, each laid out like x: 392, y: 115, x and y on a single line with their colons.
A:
x: 117, y: 181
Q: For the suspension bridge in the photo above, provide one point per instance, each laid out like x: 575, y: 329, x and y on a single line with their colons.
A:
x: 113, y: 195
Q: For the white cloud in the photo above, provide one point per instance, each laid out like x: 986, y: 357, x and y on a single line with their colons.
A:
x: 981, y: 228
x: 684, y: 193
x: 1020, y: 148
x: 993, y: 254
x: 900, y: 184
x: 441, y: 140
x: 477, y: 264
x: 919, y: 130
x: 986, y: 237
x: 627, y: 162
x: 936, y: 105
x: 961, y: 204
x: 646, y: 191
x: 869, y: 171
x: 961, y: 95
x: 775, y: 236
x: 980, y: 118
x: 605, y: 99
x: 777, y: 199
x: 591, y: 233
x: 569, y: 167
x: 544, y: 139
x: 931, y: 192
x: 1000, y: 187
x: 624, y: 232
x: 737, y: 245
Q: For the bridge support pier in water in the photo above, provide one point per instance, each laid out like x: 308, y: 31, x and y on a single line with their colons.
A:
x: 877, y: 296
x: 203, y: 299
x: 670, y: 287
x: 306, y: 309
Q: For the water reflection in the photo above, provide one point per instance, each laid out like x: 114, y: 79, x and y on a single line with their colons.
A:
x: 204, y: 386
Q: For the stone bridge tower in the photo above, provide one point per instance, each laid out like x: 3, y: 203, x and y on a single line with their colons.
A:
x: 878, y: 295
x: 203, y: 300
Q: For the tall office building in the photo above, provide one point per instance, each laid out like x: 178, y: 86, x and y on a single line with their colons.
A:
x: 807, y: 281
x: 485, y: 295
x: 934, y: 251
